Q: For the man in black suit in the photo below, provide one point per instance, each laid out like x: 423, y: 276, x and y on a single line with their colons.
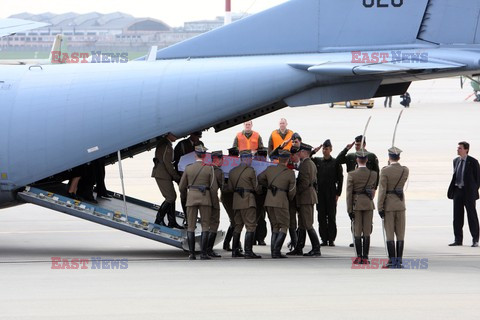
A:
x: 464, y: 191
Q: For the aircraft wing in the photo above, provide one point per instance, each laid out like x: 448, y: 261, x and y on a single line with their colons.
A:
x: 12, y: 26
x: 355, y: 69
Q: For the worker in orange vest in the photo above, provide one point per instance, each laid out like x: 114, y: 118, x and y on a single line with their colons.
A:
x: 281, y: 137
x: 248, y: 139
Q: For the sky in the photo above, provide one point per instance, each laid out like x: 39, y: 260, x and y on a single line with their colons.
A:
x: 172, y: 12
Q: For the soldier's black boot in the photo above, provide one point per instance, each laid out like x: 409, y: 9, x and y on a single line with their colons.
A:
x: 249, y: 238
x: 172, y: 217
x: 211, y: 243
x: 236, y: 253
x: 162, y: 211
x: 228, y: 238
x: 399, y: 254
x: 272, y: 242
x: 358, y: 248
x: 366, y: 249
x: 191, y: 245
x: 391, y: 254
x: 277, y: 249
x: 204, y: 246
x: 298, y: 251
x: 293, y: 238
x: 315, y: 252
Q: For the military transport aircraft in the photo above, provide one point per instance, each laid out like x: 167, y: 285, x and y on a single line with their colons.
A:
x: 300, y: 53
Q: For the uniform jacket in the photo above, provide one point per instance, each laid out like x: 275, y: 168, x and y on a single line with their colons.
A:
x: 164, y: 168
x: 392, y: 176
x: 357, y: 181
x: 205, y: 176
x: 243, y: 176
x: 329, y: 176
x: 471, y: 178
x: 281, y: 177
x: 350, y: 160
x: 306, y: 181
x: 182, y: 148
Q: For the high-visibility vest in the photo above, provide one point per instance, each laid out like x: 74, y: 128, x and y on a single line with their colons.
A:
x: 245, y: 143
x: 278, y: 140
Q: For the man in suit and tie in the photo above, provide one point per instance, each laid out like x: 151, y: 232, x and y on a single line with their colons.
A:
x: 463, y: 190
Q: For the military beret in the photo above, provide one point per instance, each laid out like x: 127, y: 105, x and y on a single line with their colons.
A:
x: 284, y: 154
x: 394, y: 151
x: 359, y: 139
x: 233, y: 152
x: 306, y: 147
x: 327, y: 143
x: 200, y: 149
x: 218, y: 154
x: 246, y: 154
x: 296, y: 136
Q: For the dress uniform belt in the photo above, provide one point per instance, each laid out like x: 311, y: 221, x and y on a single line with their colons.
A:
x: 241, y: 190
x: 203, y: 189
x: 275, y: 189
x: 397, y: 192
x: 368, y: 193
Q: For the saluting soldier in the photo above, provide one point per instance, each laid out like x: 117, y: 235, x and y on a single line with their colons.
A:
x: 306, y: 197
x: 243, y: 182
x: 391, y: 205
x: 217, y: 162
x: 198, y: 185
x: 279, y: 181
x: 164, y: 174
x: 360, y: 206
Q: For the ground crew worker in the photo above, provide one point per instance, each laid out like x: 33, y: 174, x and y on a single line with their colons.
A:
x: 279, y: 181
x: 243, y: 182
x: 261, y: 230
x: 330, y: 182
x: 248, y: 139
x: 280, y: 137
x: 164, y: 174
x: 198, y: 185
x: 306, y: 197
x: 295, y: 141
x: 217, y: 162
x: 391, y: 205
x: 227, y: 201
x: 360, y: 194
x: 351, y: 162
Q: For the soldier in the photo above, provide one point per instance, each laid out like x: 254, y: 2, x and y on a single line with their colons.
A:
x: 306, y: 197
x: 279, y: 181
x: 261, y: 231
x: 280, y: 137
x: 164, y: 174
x: 391, y: 205
x: 360, y: 194
x: 198, y: 186
x: 330, y: 182
x: 186, y: 146
x: 243, y: 182
x: 292, y: 230
x: 227, y: 201
x: 217, y: 162
x: 350, y: 158
x: 248, y: 139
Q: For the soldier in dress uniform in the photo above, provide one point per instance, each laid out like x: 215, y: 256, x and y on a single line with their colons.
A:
x: 243, y: 182
x: 164, y: 174
x: 391, y: 205
x: 227, y: 201
x: 306, y: 198
x: 279, y: 181
x: 261, y: 231
x: 217, y: 162
x: 199, y: 186
x: 360, y: 193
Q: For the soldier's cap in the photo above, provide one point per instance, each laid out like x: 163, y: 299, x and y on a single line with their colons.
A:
x: 306, y: 147
x: 218, y: 154
x: 197, y: 133
x: 200, y: 150
x: 284, y: 154
x: 327, y: 143
x: 246, y: 154
x: 296, y: 136
x: 171, y: 134
x: 263, y: 152
x: 233, y: 152
x: 394, y: 151
x: 359, y: 139
x: 294, y: 150
x: 362, y: 154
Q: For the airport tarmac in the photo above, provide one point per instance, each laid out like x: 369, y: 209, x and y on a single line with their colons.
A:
x: 159, y: 282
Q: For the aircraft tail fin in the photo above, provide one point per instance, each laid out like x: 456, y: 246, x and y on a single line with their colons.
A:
x: 309, y: 26
x: 57, y: 46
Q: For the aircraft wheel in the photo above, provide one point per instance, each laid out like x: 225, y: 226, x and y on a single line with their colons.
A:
x: 348, y: 104
x: 331, y: 105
